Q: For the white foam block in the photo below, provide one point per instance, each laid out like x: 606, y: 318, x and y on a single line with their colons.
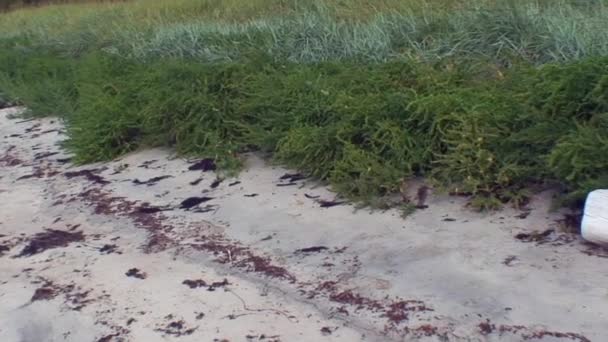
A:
x: 594, y: 227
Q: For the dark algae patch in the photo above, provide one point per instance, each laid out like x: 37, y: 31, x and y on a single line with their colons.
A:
x: 177, y: 329
x: 151, y: 181
x: 203, y: 165
x: 196, y: 181
x: 399, y: 311
x: 109, y: 249
x: 108, y: 338
x: 329, y: 203
x: 596, y: 251
x: 525, y: 333
x: 292, y: 177
x: 196, y: 283
x: 534, y: 236
x: 136, y: 273
x: 4, y: 248
x: 193, y: 201
x: 44, y: 293
x: 315, y: 249
x: 90, y: 175
x: 50, y: 239
x: 216, y: 183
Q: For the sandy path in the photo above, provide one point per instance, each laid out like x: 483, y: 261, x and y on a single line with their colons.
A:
x: 265, y: 262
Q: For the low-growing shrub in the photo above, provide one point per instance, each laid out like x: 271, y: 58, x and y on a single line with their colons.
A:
x: 363, y: 127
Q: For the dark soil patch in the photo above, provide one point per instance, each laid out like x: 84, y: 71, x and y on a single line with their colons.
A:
x: 203, y: 165
x: 49, y: 239
x: 151, y: 181
x: 315, y: 249
x: 193, y: 201
x: 193, y: 284
x: 136, y: 273
x: 90, y: 175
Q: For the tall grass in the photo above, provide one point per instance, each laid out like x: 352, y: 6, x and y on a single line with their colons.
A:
x: 312, y: 31
x: 482, y: 97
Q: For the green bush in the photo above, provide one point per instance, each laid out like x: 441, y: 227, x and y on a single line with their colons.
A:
x: 361, y: 126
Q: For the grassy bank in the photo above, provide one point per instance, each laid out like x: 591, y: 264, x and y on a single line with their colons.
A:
x: 484, y: 98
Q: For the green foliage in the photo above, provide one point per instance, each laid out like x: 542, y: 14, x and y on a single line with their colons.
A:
x: 579, y: 158
x: 37, y: 79
x: 471, y: 125
x: 537, y: 31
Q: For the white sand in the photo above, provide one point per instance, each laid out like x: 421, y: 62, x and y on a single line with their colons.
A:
x: 381, y: 277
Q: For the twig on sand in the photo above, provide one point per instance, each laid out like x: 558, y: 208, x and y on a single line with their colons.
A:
x: 251, y: 311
